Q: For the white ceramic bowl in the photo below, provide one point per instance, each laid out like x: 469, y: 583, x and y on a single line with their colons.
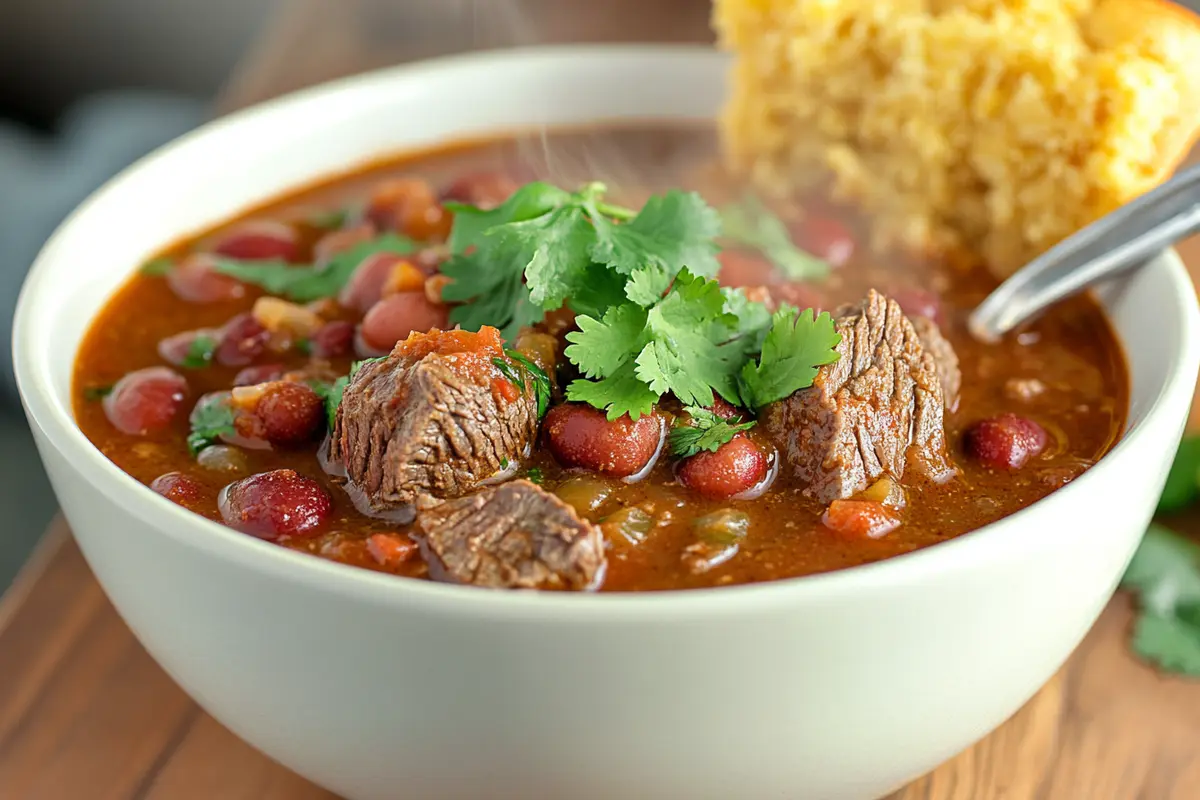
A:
x: 843, y: 685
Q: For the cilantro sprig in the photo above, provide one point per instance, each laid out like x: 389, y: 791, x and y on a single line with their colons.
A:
x: 703, y: 430
x: 797, y: 344
x: 748, y: 224
x: 545, y: 247
x: 520, y: 371
x: 200, y: 352
x: 305, y: 283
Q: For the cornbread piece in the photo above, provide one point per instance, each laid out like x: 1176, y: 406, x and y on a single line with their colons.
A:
x: 989, y: 127
x: 875, y: 411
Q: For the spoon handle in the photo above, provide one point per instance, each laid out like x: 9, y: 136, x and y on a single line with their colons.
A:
x: 1117, y: 242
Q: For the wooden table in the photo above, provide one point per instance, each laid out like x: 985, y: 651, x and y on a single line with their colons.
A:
x: 85, y: 712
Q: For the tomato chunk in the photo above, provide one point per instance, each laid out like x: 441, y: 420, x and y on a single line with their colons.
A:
x: 391, y: 549
x: 581, y: 436
x: 275, y: 505
x: 1006, y: 441
x: 859, y: 519
x: 146, y: 401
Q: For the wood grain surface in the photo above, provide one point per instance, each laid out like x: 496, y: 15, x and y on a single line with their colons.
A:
x: 86, y: 714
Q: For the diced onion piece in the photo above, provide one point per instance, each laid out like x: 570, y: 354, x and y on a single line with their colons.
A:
x: 583, y: 494
x: 885, y: 491
x: 629, y: 526
x: 434, y: 286
x: 281, y: 317
x: 245, y: 398
x: 727, y: 526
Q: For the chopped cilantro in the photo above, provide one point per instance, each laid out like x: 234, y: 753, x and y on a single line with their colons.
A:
x: 704, y: 431
x: 750, y: 224
x: 335, y: 218
x: 304, y: 346
x: 544, y: 247
x: 200, y: 352
x: 797, y: 343
x: 535, y: 475
x: 1165, y: 573
x: 331, y: 394
x: 157, y: 267
x: 93, y: 393
x: 357, y: 365
x: 504, y: 463
x: 211, y: 418
x: 1183, y: 482
x: 305, y: 283
x: 516, y: 373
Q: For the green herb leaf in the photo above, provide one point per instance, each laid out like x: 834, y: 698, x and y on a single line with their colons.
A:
x: 335, y: 218
x: 619, y: 394
x: 1183, y: 482
x: 210, y: 419
x: 541, y: 381
x: 534, y: 475
x: 672, y: 230
x: 750, y: 224
x: 331, y: 394
x: 357, y: 365
x: 795, y: 346
x: 703, y: 431
x: 94, y: 393
x: 199, y: 353
x: 303, y: 284
x: 304, y: 346
x: 157, y: 267
x: 1165, y: 572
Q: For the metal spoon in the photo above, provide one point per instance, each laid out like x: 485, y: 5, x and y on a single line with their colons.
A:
x: 1125, y: 239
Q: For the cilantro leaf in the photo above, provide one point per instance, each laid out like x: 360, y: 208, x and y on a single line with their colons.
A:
x: 157, y: 267
x: 601, y: 347
x: 534, y: 475
x: 335, y: 218
x: 672, y: 231
x: 305, y: 283
x: 795, y: 346
x: 557, y: 247
x: 619, y: 394
x: 1169, y: 642
x: 750, y: 224
x: 1183, y: 482
x: 703, y: 431
x: 540, y: 380
x: 492, y: 294
x: 331, y: 395
x: 199, y: 353
x: 211, y: 419
x: 686, y: 354
x: 472, y: 225
x: 1165, y: 572
x: 647, y: 285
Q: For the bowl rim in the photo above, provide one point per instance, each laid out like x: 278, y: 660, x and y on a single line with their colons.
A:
x: 52, y: 416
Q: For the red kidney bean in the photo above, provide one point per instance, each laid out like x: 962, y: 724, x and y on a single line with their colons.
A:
x: 365, y: 287
x: 333, y: 339
x: 740, y: 269
x: 581, y: 436
x: 259, y: 373
x: 179, y: 489
x: 394, y: 317
x: 482, y: 189
x: 859, y: 519
x: 194, y: 280
x: 1006, y: 441
x: 177, y: 349
x: 275, y: 505
x: 290, y: 413
x: 826, y: 238
x: 243, y: 339
x: 737, y: 466
x: 262, y: 240
x: 146, y: 401
x: 336, y: 242
x: 919, y: 303
x: 723, y: 408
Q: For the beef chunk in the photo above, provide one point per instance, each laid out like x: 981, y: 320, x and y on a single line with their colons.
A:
x: 875, y: 410
x: 943, y: 355
x: 431, y: 420
x: 514, y: 536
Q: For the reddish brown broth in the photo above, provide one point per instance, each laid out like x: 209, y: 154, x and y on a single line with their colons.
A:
x: 1072, y: 350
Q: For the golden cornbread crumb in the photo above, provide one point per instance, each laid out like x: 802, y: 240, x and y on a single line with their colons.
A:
x: 995, y: 126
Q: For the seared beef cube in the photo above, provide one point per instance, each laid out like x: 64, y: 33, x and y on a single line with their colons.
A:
x: 514, y: 536
x: 432, y: 420
x: 943, y: 355
x: 872, y: 412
